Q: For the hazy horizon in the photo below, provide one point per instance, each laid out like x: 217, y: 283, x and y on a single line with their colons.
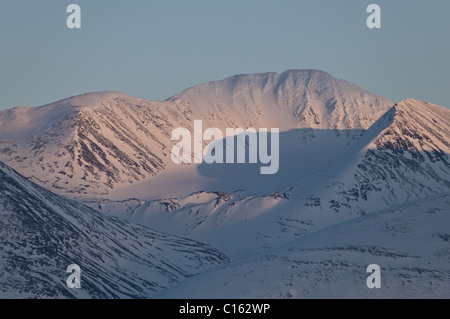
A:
x: 156, y: 50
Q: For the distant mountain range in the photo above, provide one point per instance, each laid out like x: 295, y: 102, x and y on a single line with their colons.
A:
x: 359, y: 177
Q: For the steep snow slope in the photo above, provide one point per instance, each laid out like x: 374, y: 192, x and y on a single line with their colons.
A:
x: 293, y: 99
x: 403, y: 156
x: 411, y: 244
x: 87, y: 145
x: 41, y: 234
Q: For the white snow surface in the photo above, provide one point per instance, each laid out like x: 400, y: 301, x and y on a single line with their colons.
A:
x: 41, y: 234
x: 88, y: 145
x: 372, y: 173
x: 361, y: 181
x: 410, y: 243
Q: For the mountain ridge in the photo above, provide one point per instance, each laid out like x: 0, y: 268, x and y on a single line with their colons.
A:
x: 94, y: 142
x: 43, y: 233
x: 372, y: 173
x: 349, y: 157
x: 408, y: 157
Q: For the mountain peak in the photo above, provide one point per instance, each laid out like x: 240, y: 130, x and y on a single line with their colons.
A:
x: 415, y: 126
x: 297, y: 98
x: 89, y: 99
x: 414, y: 110
x: 306, y: 72
x: 405, y: 155
x: 93, y: 142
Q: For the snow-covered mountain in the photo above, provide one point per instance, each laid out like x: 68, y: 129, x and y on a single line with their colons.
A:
x: 358, y: 178
x: 87, y: 145
x: 41, y: 234
x: 293, y: 99
x: 410, y: 243
x: 404, y: 156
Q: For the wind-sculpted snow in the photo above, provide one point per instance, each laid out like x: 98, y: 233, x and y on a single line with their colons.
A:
x: 41, y: 234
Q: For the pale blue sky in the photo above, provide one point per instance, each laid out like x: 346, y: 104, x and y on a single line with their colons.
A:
x: 155, y: 49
